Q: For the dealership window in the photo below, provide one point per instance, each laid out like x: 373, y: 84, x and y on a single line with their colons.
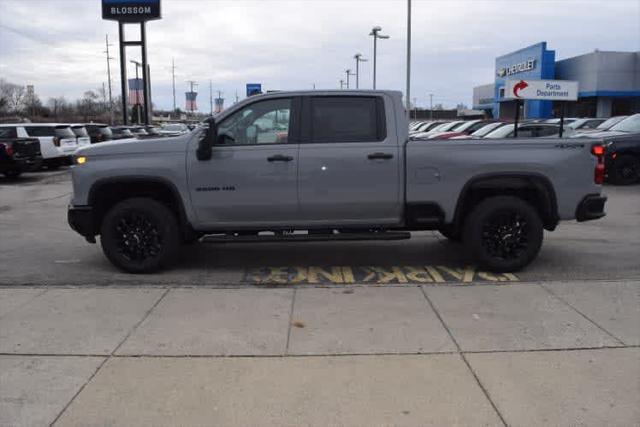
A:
x: 263, y: 122
x: 347, y: 119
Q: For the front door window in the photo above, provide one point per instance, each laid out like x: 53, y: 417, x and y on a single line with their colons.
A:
x: 264, y: 122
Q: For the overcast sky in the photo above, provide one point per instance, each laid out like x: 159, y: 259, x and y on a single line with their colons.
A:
x: 57, y: 45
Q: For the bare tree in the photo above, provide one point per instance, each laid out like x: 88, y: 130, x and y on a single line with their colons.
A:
x: 13, y: 97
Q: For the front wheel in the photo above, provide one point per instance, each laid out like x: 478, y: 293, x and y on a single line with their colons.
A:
x: 503, y: 233
x: 12, y: 174
x: 139, y: 235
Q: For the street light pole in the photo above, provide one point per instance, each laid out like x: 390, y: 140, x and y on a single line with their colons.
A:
x: 349, y: 73
x: 358, y: 57
x: 408, y: 94
x: 375, y: 32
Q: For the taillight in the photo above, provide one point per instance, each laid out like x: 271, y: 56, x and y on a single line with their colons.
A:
x: 598, y: 172
x: 56, y: 141
x: 8, y: 149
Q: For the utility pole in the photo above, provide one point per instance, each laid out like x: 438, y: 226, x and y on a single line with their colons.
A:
x: 358, y: 57
x: 173, y: 77
x: 341, y: 84
x: 236, y: 96
x: 349, y: 73
x: 415, y: 108
x: 430, y: 106
x: 408, y: 94
x: 109, y: 58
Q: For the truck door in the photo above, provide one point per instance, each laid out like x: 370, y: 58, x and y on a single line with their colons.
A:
x: 349, y: 171
x: 251, y: 179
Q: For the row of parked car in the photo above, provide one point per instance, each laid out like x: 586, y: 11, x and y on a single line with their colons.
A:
x: 31, y: 146
x: 621, y: 135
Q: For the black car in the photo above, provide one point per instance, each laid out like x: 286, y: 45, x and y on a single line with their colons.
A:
x: 18, y: 155
x: 622, y: 159
x: 99, y: 132
x: 121, y: 132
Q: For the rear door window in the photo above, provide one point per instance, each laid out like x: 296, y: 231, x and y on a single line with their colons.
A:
x: 346, y: 119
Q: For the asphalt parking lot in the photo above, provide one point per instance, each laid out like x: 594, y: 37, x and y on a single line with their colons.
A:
x: 362, y: 333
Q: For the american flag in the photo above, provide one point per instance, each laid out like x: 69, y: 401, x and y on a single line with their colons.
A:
x: 136, y: 92
x: 190, y: 104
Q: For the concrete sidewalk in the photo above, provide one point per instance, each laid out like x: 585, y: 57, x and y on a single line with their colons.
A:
x: 516, y: 354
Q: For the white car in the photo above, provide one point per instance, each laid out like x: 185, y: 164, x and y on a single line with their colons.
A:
x: 57, y: 141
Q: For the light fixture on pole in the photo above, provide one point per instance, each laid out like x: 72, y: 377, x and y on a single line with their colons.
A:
x: 375, y: 32
x: 349, y: 73
x: 358, y: 57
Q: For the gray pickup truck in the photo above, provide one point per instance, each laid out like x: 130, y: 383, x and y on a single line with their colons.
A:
x: 328, y: 165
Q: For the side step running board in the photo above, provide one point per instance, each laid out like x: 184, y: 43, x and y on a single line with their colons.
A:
x: 305, y: 237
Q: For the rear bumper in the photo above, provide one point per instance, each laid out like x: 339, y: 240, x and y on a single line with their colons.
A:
x: 23, y: 164
x: 80, y: 220
x: 591, y: 207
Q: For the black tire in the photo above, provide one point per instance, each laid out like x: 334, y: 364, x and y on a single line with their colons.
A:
x: 139, y: 235
x: 503, y: 233
x: 12, y: 174
x: 52, y: 164
x: 626, y: 170
x: 450, y: 233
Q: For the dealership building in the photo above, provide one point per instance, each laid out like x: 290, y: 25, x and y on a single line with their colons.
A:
x: 608, y: 83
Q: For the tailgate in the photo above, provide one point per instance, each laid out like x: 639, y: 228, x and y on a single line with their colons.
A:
x: 25, y: 148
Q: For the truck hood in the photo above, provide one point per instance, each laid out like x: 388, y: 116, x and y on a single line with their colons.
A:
x: 136, y: 146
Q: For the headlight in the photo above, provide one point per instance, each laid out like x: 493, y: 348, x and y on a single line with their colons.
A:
x: 80, y: 160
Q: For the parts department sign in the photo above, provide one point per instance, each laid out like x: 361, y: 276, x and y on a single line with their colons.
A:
x: 549, y: 90
x: 131, y: 10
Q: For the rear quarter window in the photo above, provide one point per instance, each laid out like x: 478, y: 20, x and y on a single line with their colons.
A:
x: 8, y: 132
x: 40, y: 130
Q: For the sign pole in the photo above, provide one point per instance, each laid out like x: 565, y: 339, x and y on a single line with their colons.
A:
x: 123, y: 72
x: 562, y: 108
x: 515, y: 121
x: 145, y: 70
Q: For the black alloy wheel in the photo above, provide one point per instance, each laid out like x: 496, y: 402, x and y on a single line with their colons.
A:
x: 503, y: 233
x: 139, y: 235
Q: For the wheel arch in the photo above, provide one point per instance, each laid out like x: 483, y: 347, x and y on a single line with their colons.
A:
x: 106, y: 192
x: 532, y: 187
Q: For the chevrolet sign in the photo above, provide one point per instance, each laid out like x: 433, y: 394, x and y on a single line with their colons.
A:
x: 131, y: 10
x: 520, y: 67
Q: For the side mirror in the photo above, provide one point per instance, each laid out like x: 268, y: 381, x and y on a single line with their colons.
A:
x: 204, y: 151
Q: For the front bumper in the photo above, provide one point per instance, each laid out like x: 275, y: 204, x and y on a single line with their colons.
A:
x: 591, y: 207
x: 80, y: 220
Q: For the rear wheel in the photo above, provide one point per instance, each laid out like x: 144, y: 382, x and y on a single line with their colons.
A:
x: 139, y: 235
x: 626, y: 170
x: 503, y: 233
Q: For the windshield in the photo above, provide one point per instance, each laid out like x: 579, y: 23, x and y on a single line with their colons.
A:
x: 630, y: 124
x: 64, y: 132
x: 606, y: 125
x: 466, y: 125
x: 501, y: 132
x: 451, y: 126
x: 79, y: 131
x: 486, y: 129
